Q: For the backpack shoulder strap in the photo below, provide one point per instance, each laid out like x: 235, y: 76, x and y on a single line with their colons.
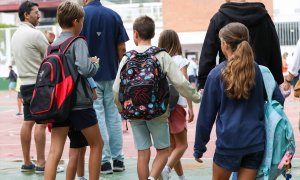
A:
x: 130, y: 53
x: 154, y: 50
x: 269, y: 81
x: 62, y: 47
x: 66, y: 44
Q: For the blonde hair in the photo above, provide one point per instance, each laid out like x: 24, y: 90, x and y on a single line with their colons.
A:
x: 67, y: 12
x: 169, y: 40
x: 239, y: 72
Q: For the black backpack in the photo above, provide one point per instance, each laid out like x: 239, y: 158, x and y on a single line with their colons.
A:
x: 54, y: 95
x: 144, y: 91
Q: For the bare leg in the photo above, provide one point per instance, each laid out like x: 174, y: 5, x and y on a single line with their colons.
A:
x: 143, y: 163
x: 20, y: 102
x: 72, y: 164
x: 93, y: 136
x: 58, y: 139
x: 159, y: 162
x: 40, y: 142
x: 80, y: 163
x: 219, y: 173
x: 180, y: 147
x: 25, y: 136
x: 247, y: 174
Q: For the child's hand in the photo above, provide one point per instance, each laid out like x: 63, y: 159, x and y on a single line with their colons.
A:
x: 191, y: 115
x: 94, y: 94
x: 198, y: 160
x: 95, y: 59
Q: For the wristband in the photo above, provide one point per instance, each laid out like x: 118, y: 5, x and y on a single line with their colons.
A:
x: 288, y: 81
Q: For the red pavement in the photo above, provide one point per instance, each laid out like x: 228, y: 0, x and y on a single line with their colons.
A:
x: 10, y: 124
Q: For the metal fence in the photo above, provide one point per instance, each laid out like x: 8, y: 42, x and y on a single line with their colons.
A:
x: 288, y: 33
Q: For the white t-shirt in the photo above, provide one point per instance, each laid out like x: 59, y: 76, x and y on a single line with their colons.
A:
x: 294, y: 63
x: 181, y: 62
x: 192, y: 68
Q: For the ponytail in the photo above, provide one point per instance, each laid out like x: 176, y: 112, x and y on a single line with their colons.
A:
x: 239, y: 73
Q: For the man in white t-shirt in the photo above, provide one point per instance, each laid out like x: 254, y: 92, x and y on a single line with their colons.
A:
x: 192, y: 71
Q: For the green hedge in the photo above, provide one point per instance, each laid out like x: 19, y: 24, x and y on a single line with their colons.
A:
x: 3, y: 84
x: 6, y: 25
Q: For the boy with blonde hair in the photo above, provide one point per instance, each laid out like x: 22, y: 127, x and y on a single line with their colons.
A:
x: 82, y: 117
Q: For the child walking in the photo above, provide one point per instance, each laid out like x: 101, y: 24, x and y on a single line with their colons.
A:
x: 234, y: 97
x: 169, y: 40
x: 83, y: 117
x: 157, y: 128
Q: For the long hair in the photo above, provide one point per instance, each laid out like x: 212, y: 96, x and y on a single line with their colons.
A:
x: 239, y: 72
x: 169, y: 40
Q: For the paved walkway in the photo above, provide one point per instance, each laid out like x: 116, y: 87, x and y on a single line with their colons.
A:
x: 11, y: 154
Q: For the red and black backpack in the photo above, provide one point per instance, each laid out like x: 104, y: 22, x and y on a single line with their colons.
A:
x: 54, y: 95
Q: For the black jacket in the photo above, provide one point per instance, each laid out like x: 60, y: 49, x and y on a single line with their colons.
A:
x: 263, y: 38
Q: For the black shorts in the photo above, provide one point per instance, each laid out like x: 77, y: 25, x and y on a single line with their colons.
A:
x: 79, y: 119
x: 234, y: 163
x: 26, y: 93
x: 77, y: 139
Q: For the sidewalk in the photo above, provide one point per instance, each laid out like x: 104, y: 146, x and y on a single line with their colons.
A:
x: 9, y: 170
x: 11, y: 153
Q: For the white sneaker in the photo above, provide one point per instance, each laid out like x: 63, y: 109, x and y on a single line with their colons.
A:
x: 164, y: 175
x: 60, y: 169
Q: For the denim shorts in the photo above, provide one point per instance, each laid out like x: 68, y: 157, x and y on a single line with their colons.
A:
x: 26, y: 93
x: 234, y: 163
x: 143, y: 131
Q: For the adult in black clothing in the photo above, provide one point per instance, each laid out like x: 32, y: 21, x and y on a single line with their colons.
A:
x: 263, y: 37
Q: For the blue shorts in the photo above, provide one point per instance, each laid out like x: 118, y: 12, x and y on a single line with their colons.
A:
x: 143, y: 131
x: 234, y: 163
x: 12, y: 85
x: 79, y: 119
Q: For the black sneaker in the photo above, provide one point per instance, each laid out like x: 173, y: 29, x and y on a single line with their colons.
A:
x: 118, y: 166
x: 28, y: 168
x: 106, y: 168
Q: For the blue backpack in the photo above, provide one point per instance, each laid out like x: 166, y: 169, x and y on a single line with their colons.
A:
x: 279, y: 132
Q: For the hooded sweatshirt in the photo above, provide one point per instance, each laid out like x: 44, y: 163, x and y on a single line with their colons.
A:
x: 263, y: 38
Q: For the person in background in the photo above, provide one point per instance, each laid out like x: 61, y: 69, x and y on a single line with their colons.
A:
x: 19, y: 97
x: 12, y: 78
x: 293, y: 68
x: 192, y: 71
x: 263, y: 37
x: 234, y: 98
x: 284, y: 64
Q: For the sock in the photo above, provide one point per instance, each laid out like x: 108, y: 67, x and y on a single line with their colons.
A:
x: 167, y: 169
x: 181, y: 177
x: 81, y: 178
x: 151, y: 178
